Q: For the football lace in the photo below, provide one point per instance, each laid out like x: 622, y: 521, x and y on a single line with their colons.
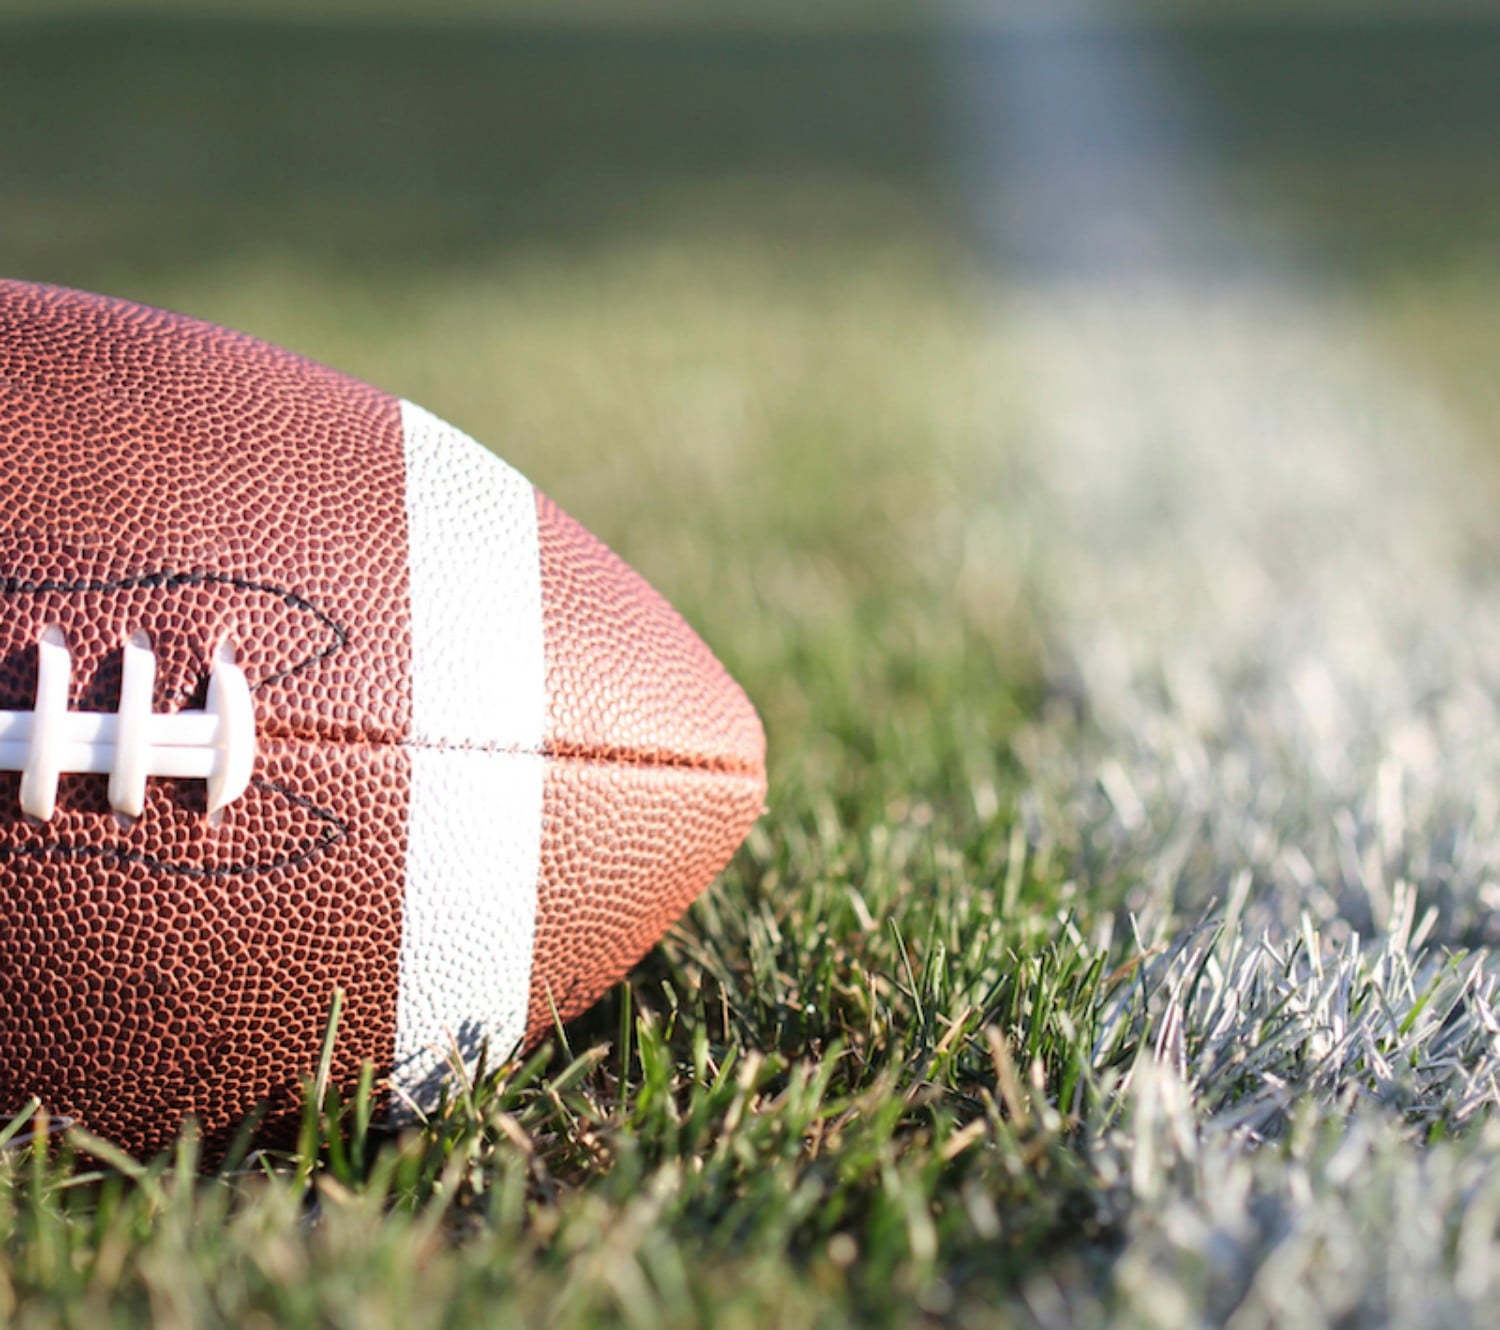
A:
x: 133, y: 743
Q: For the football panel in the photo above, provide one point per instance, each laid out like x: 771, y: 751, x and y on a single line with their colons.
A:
x: 627, y: 678
x: 165, y: 474
x: 168, y: 968
x: 478, y: 677
x: 625, y: 850
x: 474, y: 846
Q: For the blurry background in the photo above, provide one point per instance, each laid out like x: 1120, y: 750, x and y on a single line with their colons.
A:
x: 382, y: 182
x: 160, y: 147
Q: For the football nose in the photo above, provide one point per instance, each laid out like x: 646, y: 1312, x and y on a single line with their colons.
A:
x: 655, y: 770
x: 627, y: 679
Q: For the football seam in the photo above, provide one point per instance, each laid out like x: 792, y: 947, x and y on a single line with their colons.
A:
x: 163, y: 579
x: 655, y: 762
x: 585, y: 756
x: 335, y: 830
x: 12, y: 585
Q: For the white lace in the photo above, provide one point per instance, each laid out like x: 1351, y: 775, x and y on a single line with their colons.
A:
x: 134, y: 743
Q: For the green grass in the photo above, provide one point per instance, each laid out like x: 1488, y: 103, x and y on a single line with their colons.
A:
x: 909, y: 1061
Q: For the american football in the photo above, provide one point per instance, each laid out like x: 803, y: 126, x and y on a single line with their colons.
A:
x: 302, y: 690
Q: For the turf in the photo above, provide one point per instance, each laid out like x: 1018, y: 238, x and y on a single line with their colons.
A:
x: 1091, y: 966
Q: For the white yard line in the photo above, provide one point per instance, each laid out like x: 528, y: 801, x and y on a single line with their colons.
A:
x: 1268, y: 581
x: 1272, y: 596
x: 1266, y: 571
x: 1268, y: 578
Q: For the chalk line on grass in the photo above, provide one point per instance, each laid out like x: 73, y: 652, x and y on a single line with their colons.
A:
x: 1263, y: 556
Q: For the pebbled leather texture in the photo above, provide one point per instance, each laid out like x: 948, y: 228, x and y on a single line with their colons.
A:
x: 656, y: 771
x: 492, y: 766
x: 479, y: 707
x: 165, y: 475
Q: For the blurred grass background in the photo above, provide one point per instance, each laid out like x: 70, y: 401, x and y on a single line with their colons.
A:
x: 395, y: 155
x: 356, y: 179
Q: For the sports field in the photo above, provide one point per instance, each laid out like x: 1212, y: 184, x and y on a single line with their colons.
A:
x: 1081, y: 442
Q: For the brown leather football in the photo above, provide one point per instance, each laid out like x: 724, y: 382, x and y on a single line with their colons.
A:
x: 303, y: 690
